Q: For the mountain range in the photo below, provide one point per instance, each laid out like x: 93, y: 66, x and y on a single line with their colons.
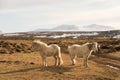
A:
x: 66, y: 27
x: 95, y: 27
x: 92, y: 27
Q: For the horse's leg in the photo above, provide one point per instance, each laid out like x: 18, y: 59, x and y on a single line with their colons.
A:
x: 90, y: 53
x: 72, y: 56
x: 85, y: 61
x: 59, y: 57
x: 60, y: 60
x: 44, y: 61
x: 56, y: 60
x: 85, y: 64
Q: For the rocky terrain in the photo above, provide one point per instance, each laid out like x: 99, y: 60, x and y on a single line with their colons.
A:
x: 64, y: 34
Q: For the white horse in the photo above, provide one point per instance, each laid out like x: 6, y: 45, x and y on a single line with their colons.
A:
x: 84, y: 50
x: 46, y: 51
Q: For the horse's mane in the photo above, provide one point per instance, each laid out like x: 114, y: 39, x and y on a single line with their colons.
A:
x: 42, y: 45
x: 90, y: 45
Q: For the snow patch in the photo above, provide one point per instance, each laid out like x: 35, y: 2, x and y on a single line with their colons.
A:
x: 12, y: 34
x: 112, y: 67
x: 76, y: 35
x: 117, y: 36
x: 40, y: 36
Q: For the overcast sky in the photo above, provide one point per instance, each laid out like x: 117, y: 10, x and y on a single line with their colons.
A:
x: 26, y: 15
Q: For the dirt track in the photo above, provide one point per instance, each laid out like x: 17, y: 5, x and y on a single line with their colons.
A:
x: 23, y: 64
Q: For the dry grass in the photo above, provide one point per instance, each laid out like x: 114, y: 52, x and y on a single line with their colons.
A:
x: 27, y: 65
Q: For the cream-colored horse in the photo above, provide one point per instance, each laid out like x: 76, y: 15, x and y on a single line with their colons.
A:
x: 46, y: 51
x: 84, y: 50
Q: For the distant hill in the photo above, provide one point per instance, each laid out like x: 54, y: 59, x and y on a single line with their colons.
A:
x: 92, y: 27
x: 66, y: 27
x: 61, y: 28
x: 95, y: 27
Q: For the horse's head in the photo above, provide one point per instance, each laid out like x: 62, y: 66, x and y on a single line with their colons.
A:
x: 94, y: 47
x: 34, y: 47
x: 37, y: 45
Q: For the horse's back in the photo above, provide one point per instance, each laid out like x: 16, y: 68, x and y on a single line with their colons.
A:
x: 78, y: 49
x: 74, y: 46
x: 54, y: 47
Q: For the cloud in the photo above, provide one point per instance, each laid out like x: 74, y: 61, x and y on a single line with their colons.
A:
x: 21, y: 13
x: 81, y: 4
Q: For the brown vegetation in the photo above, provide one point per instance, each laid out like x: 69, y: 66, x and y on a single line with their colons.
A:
x: 18, y: 62
x: 13, y: 46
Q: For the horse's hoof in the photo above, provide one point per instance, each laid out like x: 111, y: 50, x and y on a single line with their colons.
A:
x: 73, y: 64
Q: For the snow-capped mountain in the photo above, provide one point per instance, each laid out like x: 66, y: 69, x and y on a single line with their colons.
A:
x: 61, y: 28
x: 92, y: 27
x: 66, y: 27
x: 95, y: 27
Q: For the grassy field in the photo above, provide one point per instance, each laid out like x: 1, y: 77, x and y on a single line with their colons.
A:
x: 18, y: 62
